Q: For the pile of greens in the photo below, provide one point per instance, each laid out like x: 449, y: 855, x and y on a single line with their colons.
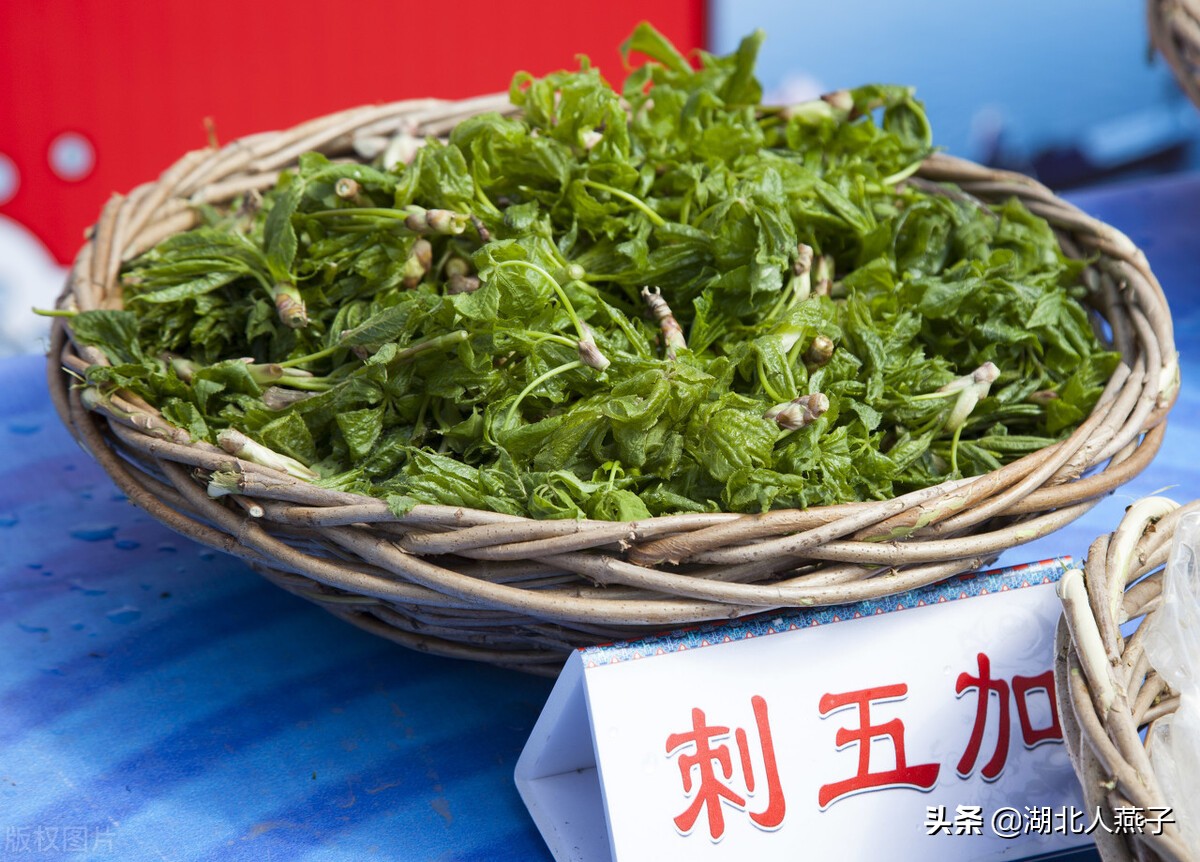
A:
x: 617, y: 305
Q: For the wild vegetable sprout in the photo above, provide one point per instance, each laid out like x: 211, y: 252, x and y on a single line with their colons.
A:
x: 614, y: 305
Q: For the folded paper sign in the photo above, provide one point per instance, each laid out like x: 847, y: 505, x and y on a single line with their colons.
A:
x: 917, y: 726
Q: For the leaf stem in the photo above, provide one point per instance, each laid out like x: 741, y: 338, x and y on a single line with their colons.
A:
x: 419, y: 423
x: 686, y: 209
x: 556, y: 338
x: 535, y: 383
x: 954, y: 449
x: 903, y: 174
x: 436, y: 343
x: 762, y: 379
x: 615, y: 315
x: 483, y: 200
x: 704, y: 214
x: 312, y: 357
x: 654, y: 217
x: 794, y: 353
x: 567, y: 306
x: 385, y: 213
x: 307, y: 384
x: 932, y: 396
x: 791, y: 378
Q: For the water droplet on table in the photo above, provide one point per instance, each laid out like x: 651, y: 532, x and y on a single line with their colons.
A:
x: 87, y: 591
x: 91, y: 533
x: 33, y: 630
x: 127, y: 544
x: 24, y: 428
x: 8, y: 519
x: 124, y: 615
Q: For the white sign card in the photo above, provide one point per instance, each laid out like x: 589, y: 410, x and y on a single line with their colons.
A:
x: 914, y: 726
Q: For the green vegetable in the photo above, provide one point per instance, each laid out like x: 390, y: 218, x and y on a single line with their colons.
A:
x: 618, y: 305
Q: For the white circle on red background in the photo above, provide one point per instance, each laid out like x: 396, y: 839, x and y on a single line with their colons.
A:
x: 72, y: 157
x: 10, y: 179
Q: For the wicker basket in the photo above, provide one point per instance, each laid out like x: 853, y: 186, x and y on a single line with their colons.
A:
x: 522, y: 592
x: 1175, y: 32
x: 1107, y: 690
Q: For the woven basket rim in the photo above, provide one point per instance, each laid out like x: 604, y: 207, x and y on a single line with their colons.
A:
x: 1107, y: 690
x: 612, y: 576
x: 1174, y: 27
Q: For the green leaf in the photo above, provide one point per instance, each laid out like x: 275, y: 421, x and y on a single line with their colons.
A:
x: 279, y: 235
x: 288, y: 434
x: 728, y: 435
x: 185, y: 415
x: 385, y: 325
x: 401, y: 504
x: 646, y: 40
x: 360, y: 429
x: 741, y: 87
x: 188, y: 290
x: 114, y: 332
x: 615, y: 504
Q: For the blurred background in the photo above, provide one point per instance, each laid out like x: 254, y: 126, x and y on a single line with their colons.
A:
x: 96, y: 98
x: 1066, y: 90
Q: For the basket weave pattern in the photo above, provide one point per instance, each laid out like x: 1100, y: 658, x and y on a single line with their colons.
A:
x: 522, y: 592
x: 1175, y: 32
x: 1107, y: 689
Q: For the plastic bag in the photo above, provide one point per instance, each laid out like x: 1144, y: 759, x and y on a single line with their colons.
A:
x: 1173, y: 647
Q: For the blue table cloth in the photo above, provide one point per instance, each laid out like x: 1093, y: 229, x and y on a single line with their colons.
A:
x: 159, y: 701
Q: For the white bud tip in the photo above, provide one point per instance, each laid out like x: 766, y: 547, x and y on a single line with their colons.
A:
x: 986, y: 373
x: 231, y: 440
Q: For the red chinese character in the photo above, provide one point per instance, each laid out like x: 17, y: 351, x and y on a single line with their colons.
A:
x: 985, y: 685
x: 712, y: 789
x: 921, y: 777
x: 771, y: 816
x: 1022, y: 686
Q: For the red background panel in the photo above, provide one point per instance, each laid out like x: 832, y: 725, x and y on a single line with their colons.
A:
x: 137, y: 80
